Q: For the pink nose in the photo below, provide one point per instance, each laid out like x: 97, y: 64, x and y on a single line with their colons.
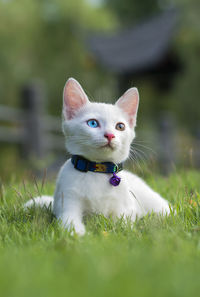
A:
x: 109, y: 136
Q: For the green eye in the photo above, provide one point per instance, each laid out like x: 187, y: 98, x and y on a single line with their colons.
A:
x: 93, y: 123
x: 120, y: 126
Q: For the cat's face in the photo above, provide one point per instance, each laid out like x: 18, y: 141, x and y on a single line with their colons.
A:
x: 97, y: 131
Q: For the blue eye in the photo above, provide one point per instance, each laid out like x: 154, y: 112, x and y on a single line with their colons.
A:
x: 93, y: 123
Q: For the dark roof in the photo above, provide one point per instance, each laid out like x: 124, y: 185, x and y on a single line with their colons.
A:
x: 137, y: 48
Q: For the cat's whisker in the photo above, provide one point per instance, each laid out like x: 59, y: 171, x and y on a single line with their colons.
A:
x: 135, y: 143
x: 147, y: 152
x: 141, y: 154
x: 138, y: 157
x: 135, y: 154
x: 136, y: 160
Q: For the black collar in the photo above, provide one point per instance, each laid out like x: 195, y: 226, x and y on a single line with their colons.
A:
x: 85, y: 165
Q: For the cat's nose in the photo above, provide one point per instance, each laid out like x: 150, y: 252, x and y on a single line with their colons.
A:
x: 109, y: 136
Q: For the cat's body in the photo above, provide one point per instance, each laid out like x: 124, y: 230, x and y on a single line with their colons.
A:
x: 100, y: 133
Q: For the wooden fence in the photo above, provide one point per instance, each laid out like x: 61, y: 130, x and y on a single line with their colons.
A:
x: 29, y: 126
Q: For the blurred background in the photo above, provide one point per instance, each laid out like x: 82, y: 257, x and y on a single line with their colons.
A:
x: 108, y: 46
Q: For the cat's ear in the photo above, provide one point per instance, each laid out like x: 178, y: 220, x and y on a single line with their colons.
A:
x: 129, y: 104
x: 73, y: 98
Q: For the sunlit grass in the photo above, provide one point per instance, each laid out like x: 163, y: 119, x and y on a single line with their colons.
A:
x: 154, y: 257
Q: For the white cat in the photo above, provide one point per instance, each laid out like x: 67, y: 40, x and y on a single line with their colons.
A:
x: 99, y: 132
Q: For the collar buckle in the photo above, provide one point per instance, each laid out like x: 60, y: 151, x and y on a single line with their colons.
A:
x: 116, y: 168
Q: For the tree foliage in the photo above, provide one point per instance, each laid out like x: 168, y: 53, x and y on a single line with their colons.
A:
x: 132, y: 11
x: 46, y: 39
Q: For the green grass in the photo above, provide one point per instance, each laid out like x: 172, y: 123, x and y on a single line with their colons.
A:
x: 154, y: 257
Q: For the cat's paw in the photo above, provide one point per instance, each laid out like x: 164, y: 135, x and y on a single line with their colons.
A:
x: 77, y: 228
x: 165, y: 210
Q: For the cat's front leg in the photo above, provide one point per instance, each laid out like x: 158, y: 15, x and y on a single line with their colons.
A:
x: 72, y: 223
x: 70, y: 216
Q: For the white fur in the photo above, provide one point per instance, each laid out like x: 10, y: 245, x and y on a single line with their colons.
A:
x: 78, y: 193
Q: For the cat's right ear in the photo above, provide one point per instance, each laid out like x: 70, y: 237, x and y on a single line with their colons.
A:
x: 74, y: 98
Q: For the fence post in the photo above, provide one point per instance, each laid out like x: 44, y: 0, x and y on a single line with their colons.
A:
x: 34, y: 134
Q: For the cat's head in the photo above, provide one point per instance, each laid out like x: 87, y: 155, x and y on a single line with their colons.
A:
x: 97, y: 131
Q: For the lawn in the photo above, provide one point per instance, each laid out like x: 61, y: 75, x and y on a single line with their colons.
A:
x: 153, y: 257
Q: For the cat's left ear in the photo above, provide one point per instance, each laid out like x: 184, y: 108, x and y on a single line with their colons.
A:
x: 129, y: 104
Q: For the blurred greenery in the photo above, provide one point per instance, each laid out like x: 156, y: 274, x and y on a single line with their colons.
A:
x: 46, y: 40
x: 185, y: 93
x: 132, y: 11
x: 183, y: 98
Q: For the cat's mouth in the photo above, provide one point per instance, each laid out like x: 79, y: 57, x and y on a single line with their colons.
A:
x: 108, y: 145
